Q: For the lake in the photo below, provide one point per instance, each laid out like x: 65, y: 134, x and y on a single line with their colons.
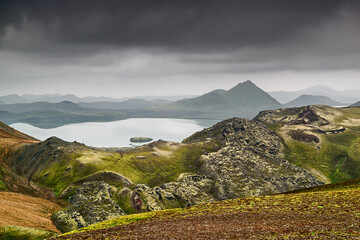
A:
x: 118, y: 133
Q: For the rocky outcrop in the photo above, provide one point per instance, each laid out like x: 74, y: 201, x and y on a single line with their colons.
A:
x: 305, y: 124
x: 190, y: 190
x: 250, y: 161
x: 93, y: 202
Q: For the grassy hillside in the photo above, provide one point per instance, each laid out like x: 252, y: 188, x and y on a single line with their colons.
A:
x: 331, y: 211
x: 321, y: 139
x: 154, y: 164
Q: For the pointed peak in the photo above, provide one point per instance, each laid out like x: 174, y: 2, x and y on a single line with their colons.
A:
x: 246, y: 84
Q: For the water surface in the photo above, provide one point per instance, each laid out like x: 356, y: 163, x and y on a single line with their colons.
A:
x: 118, y: 133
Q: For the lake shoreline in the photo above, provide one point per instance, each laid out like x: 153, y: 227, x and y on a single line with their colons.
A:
x: 118, y: 133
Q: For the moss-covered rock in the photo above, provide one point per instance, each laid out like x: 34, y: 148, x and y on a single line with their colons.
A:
x: 93, y: 202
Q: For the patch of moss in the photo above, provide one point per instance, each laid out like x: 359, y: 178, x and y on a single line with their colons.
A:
x: 23, y: 233
x: 144, y: 166
x: 338, y: 157
x: 61, y: 173
x: 124, y: 201
x: 127, y: 219
x: 2, y: 182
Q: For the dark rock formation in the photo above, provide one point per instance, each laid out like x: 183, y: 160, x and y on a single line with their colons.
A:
x: 250, y: 161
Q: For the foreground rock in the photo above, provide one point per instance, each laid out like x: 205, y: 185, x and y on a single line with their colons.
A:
x: 251, y: 161
x: 93, y: 202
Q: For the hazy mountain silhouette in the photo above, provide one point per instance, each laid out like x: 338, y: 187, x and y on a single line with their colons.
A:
x: 245, y: 99
x: 343, y: 96
x: 128, y: 104
x: 305, y: 100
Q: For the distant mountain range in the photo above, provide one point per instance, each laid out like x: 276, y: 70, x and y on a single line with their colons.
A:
x: 306, y: 100
x: 243, y: 100
x: 127, y: 104
x: 355, y: 104
x: 345, y: 96
x: 50, y: 115
x: 55, y: 98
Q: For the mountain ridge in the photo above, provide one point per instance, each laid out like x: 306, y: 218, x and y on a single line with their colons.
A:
x: 306, y: 100
x: 245, y: 99
x: 344, y: 96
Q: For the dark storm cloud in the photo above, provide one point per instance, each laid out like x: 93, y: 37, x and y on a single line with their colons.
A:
x: 182, y: 24
x: 117, y: 45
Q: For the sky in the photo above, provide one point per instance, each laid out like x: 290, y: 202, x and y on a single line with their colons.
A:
x: 121, y: 48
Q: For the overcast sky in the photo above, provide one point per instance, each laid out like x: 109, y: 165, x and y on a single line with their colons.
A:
x: 122, y: 48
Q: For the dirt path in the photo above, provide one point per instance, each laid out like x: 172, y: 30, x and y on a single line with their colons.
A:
x: 22, y: 210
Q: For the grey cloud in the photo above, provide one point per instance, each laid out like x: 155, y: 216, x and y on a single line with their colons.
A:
x: 120, y: 42
x: 184, y: 24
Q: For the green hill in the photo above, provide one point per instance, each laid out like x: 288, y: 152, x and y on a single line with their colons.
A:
x: 322, y: 139
x: 245, y: 100
x: 252, y: 97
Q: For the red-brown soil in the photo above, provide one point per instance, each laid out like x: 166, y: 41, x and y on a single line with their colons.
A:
x: 23, y: 210
x: 10, y: 136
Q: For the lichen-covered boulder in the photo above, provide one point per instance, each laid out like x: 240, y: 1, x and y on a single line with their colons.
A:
x: 93, y: 202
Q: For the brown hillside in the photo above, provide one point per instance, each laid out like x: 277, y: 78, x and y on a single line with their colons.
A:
x: 22, y: 210
x: 9, y: 135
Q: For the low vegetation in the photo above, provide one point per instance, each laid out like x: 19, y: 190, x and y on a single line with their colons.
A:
x: 153, y: 164
x: 330, y: 211
x: 312, y: 141
x: 24, y: 233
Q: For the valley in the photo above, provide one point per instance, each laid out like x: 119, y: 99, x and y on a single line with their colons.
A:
x: 283, y: 150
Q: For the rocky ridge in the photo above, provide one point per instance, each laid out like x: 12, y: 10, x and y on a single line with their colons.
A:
x: 250, y: 161
x: 305, y: 124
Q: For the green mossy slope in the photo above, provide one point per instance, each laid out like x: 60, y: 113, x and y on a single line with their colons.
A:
x: 23, y: 233
x: 327, y: 139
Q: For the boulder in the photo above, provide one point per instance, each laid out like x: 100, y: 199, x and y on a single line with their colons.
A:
x: 93, y: 202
